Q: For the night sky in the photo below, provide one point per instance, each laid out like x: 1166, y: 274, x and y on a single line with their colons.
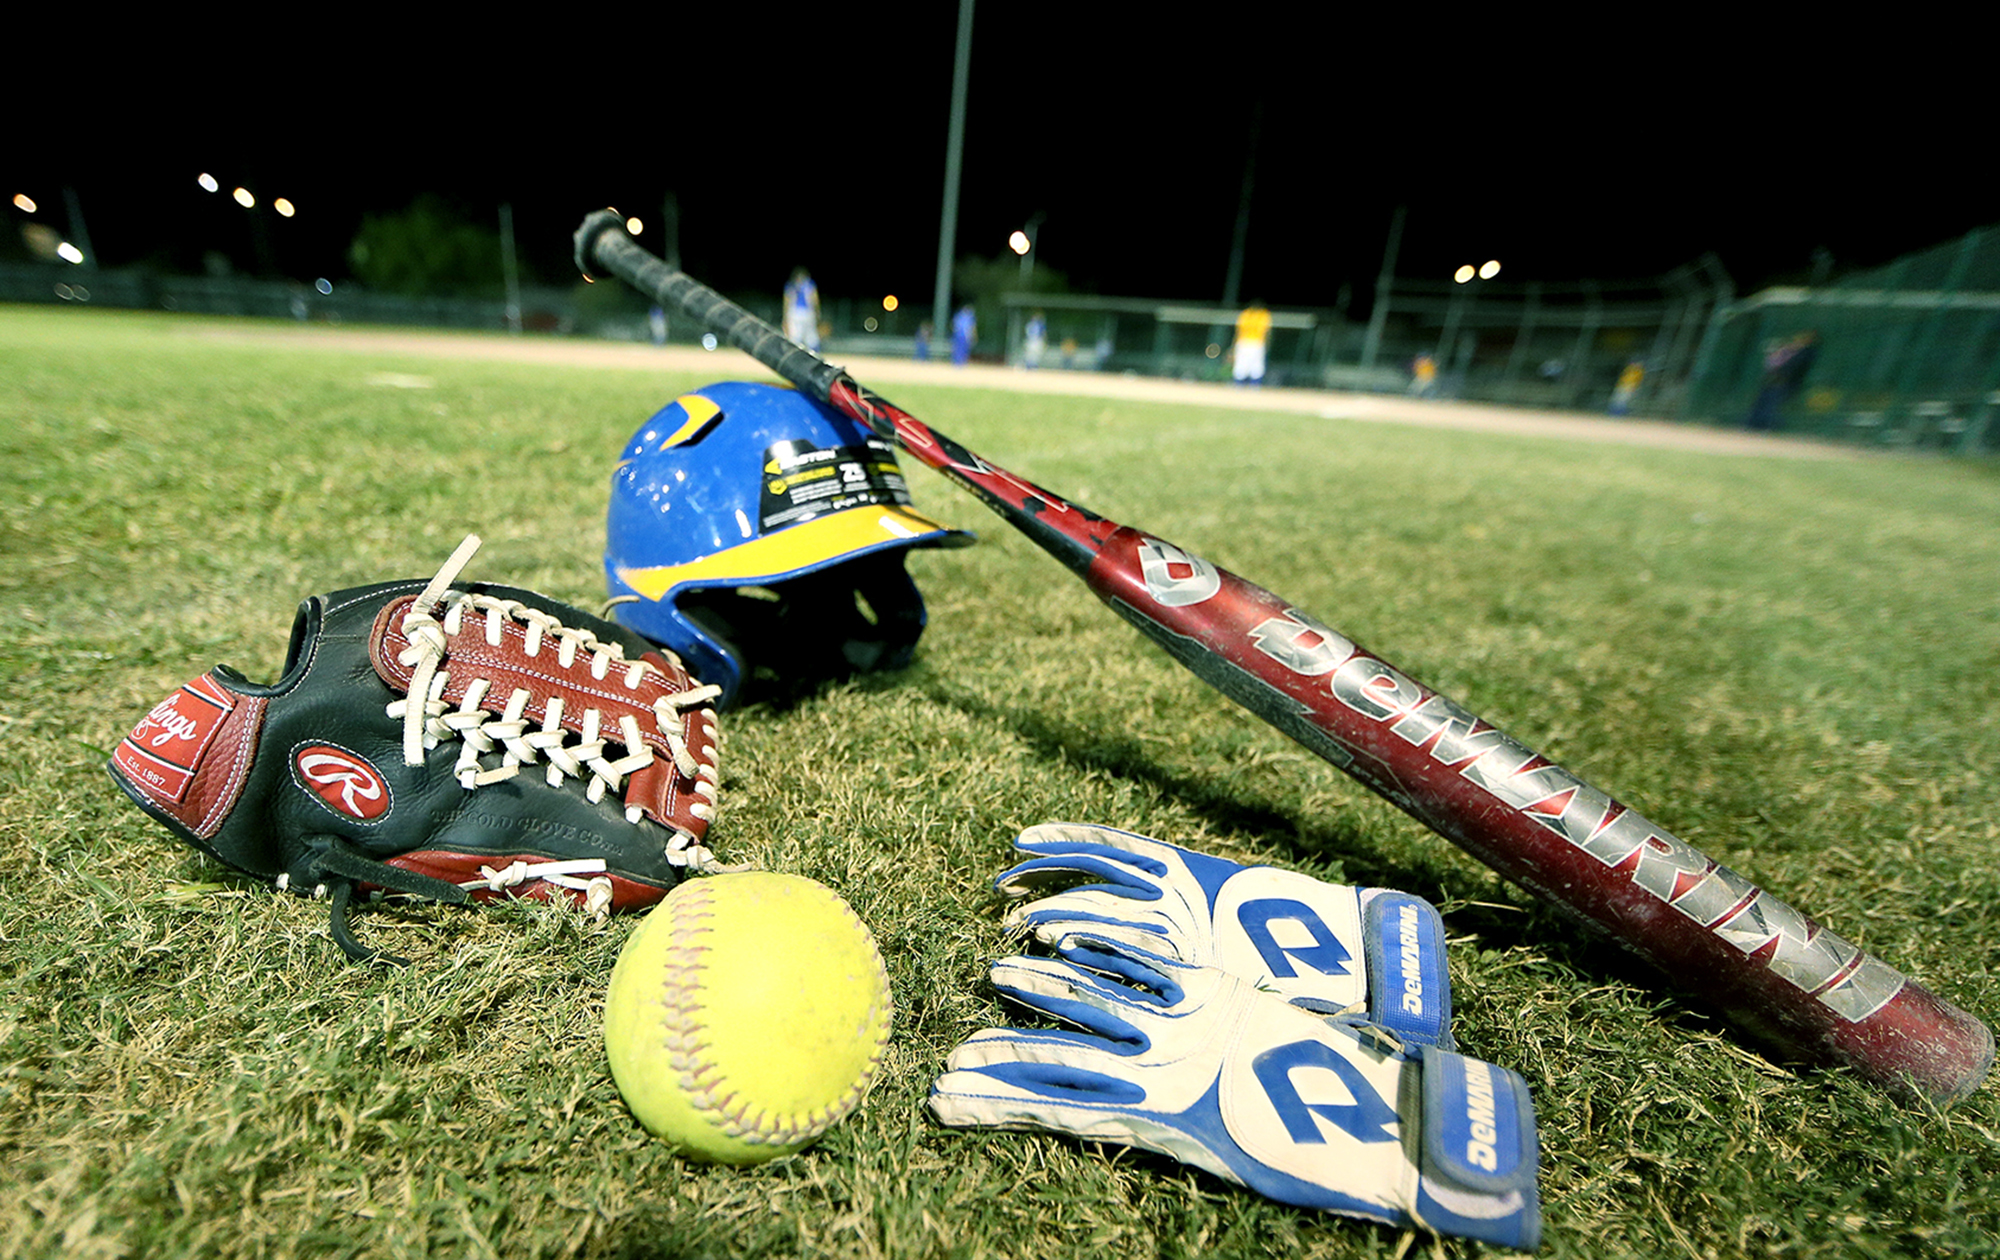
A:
x: 821, y: 142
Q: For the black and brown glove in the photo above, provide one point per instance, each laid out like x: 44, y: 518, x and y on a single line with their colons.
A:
x: 459, y: 743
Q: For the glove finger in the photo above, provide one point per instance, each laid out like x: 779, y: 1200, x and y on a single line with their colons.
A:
x: 1052, y: 1046
x: 1043, y: 872
x: 1065, y: 1098
x: 1140, y: 938
x: 1092, y: 1107
x: 1126, y: 979
x: 1089, y: 905
x: 1137, y: 968
x: 1099, y: 1005
x: 1131, y: 938
x: 1163, y: 861
x: 1095, y: 899
x: 1143, y: 852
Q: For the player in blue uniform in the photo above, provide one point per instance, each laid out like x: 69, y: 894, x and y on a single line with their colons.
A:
x: 802, y: 310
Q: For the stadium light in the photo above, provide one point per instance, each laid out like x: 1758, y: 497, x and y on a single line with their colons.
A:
x: 243, y: 198
x: 23, y: 201
x: 634, y: 226
x: 1018, y: 242
x: 207, y: 182
x: 890, y: 303
x: 69, y: 253
x: 1464, y: 273
x: 1489, y: 269
x: 284, y: 207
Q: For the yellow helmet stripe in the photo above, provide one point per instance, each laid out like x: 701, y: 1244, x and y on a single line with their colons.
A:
x: 809, y: 542
x: 701, y: 412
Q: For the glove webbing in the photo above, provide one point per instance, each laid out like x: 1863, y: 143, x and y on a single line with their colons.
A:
x: 428, y: 720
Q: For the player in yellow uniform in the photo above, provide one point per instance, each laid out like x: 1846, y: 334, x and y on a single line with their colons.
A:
x: 1627, y: 388
x: 1253, y: 332
x: 1423, y: 375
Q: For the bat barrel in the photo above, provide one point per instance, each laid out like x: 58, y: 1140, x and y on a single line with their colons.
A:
x: 1801, y: 990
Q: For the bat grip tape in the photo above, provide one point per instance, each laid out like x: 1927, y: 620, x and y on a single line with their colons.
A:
x: 602, y: 240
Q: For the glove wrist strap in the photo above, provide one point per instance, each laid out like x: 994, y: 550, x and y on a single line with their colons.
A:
x: 1478, y: 1164
x: 1409, y: 987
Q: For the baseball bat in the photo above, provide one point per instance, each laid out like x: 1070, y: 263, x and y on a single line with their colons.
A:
x: 1801, y: 991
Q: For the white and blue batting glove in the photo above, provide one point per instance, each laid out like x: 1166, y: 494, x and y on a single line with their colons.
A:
x: 1361, y: 953
x: 1196, y: 1064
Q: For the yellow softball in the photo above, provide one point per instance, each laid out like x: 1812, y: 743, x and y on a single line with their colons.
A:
x: 746, y: 1016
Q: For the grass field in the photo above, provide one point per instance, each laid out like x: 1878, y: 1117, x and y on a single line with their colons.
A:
x: 1790, y: 663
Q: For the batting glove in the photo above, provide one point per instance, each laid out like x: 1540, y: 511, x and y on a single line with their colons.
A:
x: 1360, y: 953
x: 1196, y: 1064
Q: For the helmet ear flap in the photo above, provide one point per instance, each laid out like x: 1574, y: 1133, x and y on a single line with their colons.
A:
x: 885, y: 613
x: 791, y: 637
x: 707, y: 646
x: 702, y: 643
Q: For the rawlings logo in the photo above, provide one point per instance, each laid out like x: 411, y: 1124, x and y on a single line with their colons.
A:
x: 346, y: 782
x: 165, y: 724
x: 168, y: 744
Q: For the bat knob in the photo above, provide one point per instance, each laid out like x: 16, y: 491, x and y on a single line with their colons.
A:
x: 594, y: 226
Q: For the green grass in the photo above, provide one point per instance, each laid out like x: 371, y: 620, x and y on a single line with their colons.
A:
x: 1790, y: 663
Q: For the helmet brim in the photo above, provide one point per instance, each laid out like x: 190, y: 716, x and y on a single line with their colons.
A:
x: 796, y: 550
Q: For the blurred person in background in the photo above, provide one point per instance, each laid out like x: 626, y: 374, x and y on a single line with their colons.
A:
x: 1423, y: 375
x: 802, y: 309
x: 964, y: 334
x: 1786, y: 364
x: 1253, y: 332
x: 1627, y: 388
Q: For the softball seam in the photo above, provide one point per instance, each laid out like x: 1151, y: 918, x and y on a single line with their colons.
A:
x: 687, y: 1047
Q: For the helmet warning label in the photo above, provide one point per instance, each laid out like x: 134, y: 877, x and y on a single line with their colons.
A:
x: 801, y: 481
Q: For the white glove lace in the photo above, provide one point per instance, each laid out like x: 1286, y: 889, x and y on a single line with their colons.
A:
x: 520, y: 743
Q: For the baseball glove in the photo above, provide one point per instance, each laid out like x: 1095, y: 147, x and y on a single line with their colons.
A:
x: 454, y: 743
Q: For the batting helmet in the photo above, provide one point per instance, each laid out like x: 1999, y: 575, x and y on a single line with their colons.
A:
x: 755, y: 531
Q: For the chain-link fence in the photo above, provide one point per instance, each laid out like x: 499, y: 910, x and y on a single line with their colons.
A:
x: 1904, y: 355
x: 541, y: 310
x: 1621, y: 348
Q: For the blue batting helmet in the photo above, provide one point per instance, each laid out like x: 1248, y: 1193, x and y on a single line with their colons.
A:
x: 753, y: 530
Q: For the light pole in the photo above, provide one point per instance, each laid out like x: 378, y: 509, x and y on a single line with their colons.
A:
x: 953, y: 152
x: 1023, y: 242
x: 1460, y: 300
x: 1378, y: 315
